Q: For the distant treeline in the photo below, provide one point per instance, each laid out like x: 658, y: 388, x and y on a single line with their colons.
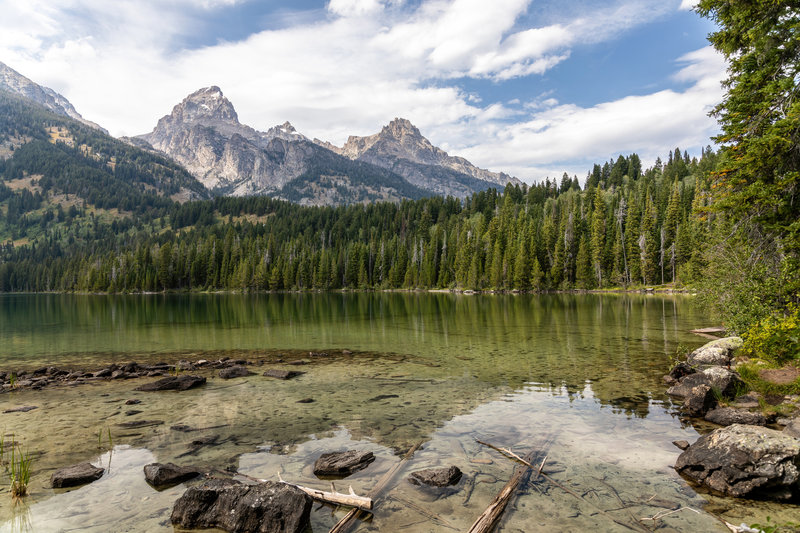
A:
x: 626, y: 226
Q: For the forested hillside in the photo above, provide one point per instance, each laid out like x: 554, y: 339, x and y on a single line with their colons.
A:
x: 55, y: 171
x: 625, y: 228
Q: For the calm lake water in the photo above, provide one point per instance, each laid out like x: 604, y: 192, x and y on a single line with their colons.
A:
x: 577, y: 377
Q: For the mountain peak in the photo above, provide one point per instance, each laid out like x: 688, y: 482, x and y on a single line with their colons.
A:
x: 16, y: 83
x: 401, y: 127
x: 205, y: 103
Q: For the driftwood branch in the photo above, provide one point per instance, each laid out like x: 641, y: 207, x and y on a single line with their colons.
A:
x: 491, y: 515
x: 350, y: 518
x: 337, y: 498
x: 636, y: 526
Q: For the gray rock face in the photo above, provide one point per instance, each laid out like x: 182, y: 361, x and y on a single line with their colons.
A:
x: 178, y: 383
x: 400, y: 147
x: 72, y: 476
x: 436, y: 477
x: 715, y: 353
x: 238, y: 508
x: 14, y: 82
x: 162, y: 476
x: 744, y: 461
x: 727, y: 416
x: 342, y: 463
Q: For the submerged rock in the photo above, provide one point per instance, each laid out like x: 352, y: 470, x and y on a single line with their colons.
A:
x: 727, y: 416
x: 744, y: 461
x: 282, y: 374
x: 342, y: 463
x: 179, y: 383
x: 238, y: 508
x: 163, y: 476
x: 236, y: 371
x: 72, y: 476
x: 436, y: 477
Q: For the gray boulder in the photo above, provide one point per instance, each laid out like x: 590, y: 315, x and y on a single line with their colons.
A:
x: 722, y: 379
x: 72, y: 476
x: 436, y: 477
x: 715, y: 353
x: 162, y: 476
x: 744, y: 461
x: 699, y: 400
x: 342, y: 463
x: 727, y: 416
x: 793, y: 428
x: 282, y: 374
x: 267, y: 507
x: 178, y: 383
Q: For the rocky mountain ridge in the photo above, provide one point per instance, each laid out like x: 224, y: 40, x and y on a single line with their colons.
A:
x: 15, y: 83
x: 401, y: 147
x: 204, y: 134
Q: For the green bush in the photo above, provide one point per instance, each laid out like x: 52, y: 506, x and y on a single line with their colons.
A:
x: 775, y: 339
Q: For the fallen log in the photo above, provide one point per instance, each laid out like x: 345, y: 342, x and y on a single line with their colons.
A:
x: 491, y: 515
x: 350, y: 518
x: 363, y: 503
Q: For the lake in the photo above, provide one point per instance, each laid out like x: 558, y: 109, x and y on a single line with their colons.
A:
x: 577, y: 377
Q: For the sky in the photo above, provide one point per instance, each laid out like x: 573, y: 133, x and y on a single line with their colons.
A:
x: 534, y: 88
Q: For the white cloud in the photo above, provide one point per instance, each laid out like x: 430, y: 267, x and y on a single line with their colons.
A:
x: 355, y: 69
x: 686, y: 5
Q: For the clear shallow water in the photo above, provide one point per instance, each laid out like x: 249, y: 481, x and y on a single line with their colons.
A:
x: 439, y: 369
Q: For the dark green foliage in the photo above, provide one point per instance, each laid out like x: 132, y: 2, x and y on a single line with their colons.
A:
x: 546, y: 236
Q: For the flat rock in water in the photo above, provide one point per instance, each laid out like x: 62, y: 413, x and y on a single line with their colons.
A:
x: 727, y: 416
x: 236, y: 371
x: 72, y: 476
x: 744, y: 462
x: 23, y: 409
x: 179, y: 383
x: 282, y: 374
x: 163, y: 476
x: 682, y: 444
x: 342, y: 463
x: 238, y: 508
x: 436, y: 477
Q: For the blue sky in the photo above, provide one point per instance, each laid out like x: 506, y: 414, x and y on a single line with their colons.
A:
x: 530, y: 87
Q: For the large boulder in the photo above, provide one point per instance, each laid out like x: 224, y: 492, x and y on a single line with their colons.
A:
x: 178, y: 383
x: 72, y: 476
x: 232, y: 506
x: 715, y: 353
x: 436, y: 477
x: 699, y: 400
x: 793, y: 428
x: 744, y: 461
x: 342, y: 463
x: 727, y: 382
x: 162, y: 476
x: 727, y: 416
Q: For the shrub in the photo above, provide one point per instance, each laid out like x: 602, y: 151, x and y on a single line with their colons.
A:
x: 775, y: 339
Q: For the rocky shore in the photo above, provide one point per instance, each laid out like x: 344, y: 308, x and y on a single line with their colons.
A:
x: 751, y: 454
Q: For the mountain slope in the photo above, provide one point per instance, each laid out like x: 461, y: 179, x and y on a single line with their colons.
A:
x: 62, y: 160
x: 203, y: 133
x: 400, y: 147
x: 14, y: 82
